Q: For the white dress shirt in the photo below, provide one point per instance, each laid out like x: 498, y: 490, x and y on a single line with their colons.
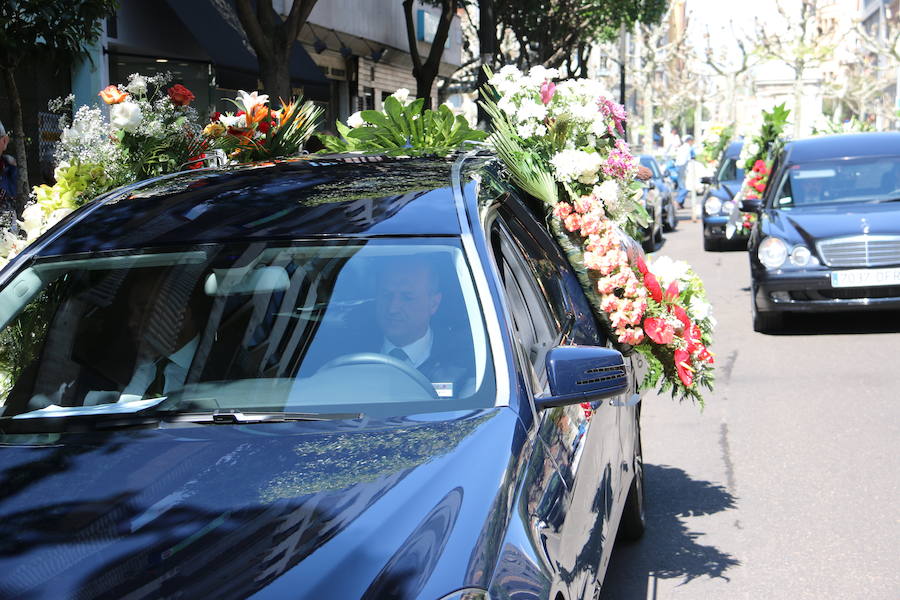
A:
x: 418, y: 351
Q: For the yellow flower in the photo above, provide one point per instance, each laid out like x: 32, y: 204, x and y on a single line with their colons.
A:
x: 214, y: 130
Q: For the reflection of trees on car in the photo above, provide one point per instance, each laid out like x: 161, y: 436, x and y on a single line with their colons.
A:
x: 338, y: 461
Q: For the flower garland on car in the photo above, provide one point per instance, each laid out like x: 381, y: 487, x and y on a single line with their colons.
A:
x: 561, y: 143
x: 757, y: 156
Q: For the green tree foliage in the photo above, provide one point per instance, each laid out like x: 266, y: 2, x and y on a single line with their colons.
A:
x: 548, y: 32
x: 58, y: 29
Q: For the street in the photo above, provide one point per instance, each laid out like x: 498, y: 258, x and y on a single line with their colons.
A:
x: 786, y: 485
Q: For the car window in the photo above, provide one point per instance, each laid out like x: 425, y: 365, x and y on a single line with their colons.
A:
x: 650, y: 163
x: 729, y: 170
x: 869, y: 179
x: 528, y: 307
x: 306, y: 327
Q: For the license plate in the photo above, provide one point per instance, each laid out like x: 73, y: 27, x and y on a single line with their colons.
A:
x: 865, y: 277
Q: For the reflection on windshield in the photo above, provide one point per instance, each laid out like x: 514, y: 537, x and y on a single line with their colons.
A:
x: 860, y: 180
x: 378, y: 327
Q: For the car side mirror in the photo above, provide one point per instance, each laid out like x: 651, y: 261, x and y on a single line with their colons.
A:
x: 753, y: 205
x: 706, y: 180
x: 583, y: 374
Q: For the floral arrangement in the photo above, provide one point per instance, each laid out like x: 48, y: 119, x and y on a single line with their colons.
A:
x: 757, y: 156
x: 714, y: 142
x: 401, y: 127
x: 561, y: 143
x: 256, y: 132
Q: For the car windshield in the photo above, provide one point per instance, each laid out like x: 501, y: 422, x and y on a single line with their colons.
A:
x: 870, y: 179
x: 384, y: 326
x: 729, y: 170
x: 650, y: 163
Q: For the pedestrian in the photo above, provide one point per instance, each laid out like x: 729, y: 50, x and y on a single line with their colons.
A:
x: 683, y: 156
x: 673, y: 141
x: 8, y: 173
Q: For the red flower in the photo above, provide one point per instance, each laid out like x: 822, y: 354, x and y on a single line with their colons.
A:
x: 265, y: 126
x: 682, y: 316
x: 760, y: 186
x: 759, y: 165
x: 642, y: 266
x: 180, y: 95
x: 683, y: 367
x: 659, y: 330
x: 573, y: 222
x: 653, y: 286
x: 694, y: 338
x: 705, y: 355
x: 215, y: 117
x: 199, y: 162
x: 672, y: 291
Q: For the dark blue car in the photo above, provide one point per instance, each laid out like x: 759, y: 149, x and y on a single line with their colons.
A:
x: 828, y: 236
x: 324, y: 378
x: 718, y: 202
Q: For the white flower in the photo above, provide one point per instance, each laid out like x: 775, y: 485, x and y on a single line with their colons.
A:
x: 251, y: 100
x: 668, y: 270
x: 699, y: 309
x: 608, y: 191
x: 56, y: 216
x: 402, y: 96
x: 8, y: 242
x: 355, y: 120
x: 238, y: 121
x: 125, y: 116
x: 531, y: 110
x: 33, y: 220
x: 571, y: 165
x: 137, y: 84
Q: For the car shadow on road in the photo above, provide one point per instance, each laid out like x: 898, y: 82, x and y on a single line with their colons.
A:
x: 669, y: 549
x: 848, y: 323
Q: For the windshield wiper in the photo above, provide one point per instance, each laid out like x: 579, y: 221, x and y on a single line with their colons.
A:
x: 236, y: 417
x: 108, y: 421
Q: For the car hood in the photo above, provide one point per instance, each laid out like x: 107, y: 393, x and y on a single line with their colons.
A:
x: 812, y: 224
x: 315, y: 510
x: 732, y: 188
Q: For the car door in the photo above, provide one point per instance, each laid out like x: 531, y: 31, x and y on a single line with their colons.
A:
x: 580, y: 448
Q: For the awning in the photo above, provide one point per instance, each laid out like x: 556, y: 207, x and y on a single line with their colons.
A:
x: 215, y: 25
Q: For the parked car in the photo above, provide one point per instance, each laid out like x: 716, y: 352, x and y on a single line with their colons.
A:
x: 665, y: 189
x: 209, y: 401
x: 718, y: 201
x: 828, y: 237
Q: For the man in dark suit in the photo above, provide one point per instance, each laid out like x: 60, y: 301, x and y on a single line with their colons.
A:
x: 407, y: 297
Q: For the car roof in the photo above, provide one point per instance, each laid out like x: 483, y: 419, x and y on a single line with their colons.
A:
x: 733, y: 150
x: 312, y: 196
x: 845, y: 145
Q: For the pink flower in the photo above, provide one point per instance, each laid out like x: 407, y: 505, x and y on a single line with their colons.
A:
x: 590, y: 224
x: 641, y: 265
x: 606, y: 285
x: 629, y: 335
x: 659, y: 330
x: 614, y: 112
x: 672, y: 291
x: 562, y: 210
x: 573, y: 222
x: 548, y: 88
x: 682, y: 316
x: 592, y: 260
x: 584, y: 204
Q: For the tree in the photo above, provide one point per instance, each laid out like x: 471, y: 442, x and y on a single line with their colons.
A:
x: 548, y: 32
x: 59, y: 30
x: 426, y: 71
x: 730, y: 70
x: 272, y: 38
x: 804, y: 43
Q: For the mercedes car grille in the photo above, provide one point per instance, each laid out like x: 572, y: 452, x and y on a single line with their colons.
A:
x: 861, y: 251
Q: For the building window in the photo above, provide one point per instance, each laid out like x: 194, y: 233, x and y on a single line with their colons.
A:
x: 367, y: 99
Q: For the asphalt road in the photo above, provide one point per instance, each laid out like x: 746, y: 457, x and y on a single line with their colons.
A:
x: 787, y: 485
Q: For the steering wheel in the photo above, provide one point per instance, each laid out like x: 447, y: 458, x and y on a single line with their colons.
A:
x: 370, y: 358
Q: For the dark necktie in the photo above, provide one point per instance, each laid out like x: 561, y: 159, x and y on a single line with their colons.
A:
x: 399, y: 354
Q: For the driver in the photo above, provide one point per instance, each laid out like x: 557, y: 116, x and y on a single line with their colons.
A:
x: 407, y: 296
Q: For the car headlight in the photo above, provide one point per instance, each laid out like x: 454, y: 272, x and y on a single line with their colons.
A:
x: 713, y: 205
x: 772, y: 252
x: 468, y: 594
x: 727, y: 207
x: 800, y: 256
